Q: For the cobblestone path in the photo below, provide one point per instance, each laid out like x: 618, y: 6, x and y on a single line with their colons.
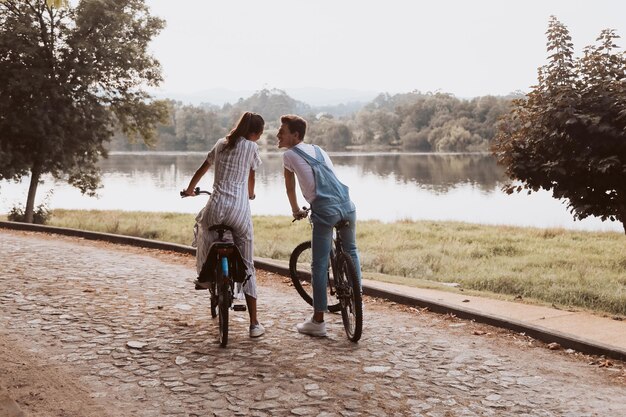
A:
x: 129, y: 322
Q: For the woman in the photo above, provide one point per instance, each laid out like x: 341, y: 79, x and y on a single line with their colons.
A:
x: 235, y: 157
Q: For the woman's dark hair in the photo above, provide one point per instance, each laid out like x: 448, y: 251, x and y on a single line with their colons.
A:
x: 295, y: 124
x: 250, y: 123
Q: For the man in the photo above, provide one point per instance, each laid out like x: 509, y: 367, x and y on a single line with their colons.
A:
x: 330, y: 203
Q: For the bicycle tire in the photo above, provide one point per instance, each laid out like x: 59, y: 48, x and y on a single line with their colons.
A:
x: 300, y: 271
x: 349, y: 294
x: 223, y: 303
x: 214, y: 300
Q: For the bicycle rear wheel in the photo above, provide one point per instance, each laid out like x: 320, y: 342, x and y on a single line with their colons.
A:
x: 300, y: 272
x: 214, y: 300
x: 350, y: 298
x: 223, y: 304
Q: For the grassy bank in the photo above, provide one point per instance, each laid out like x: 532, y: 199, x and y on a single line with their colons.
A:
x: 553, y: 266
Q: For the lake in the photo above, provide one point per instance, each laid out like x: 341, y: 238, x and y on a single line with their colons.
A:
x: 384, y: 186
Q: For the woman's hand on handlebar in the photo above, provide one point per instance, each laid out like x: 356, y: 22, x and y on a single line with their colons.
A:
x: 190, y: 192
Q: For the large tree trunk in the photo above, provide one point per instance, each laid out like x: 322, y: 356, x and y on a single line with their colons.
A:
x: 622, y: 216
x: 32, y: 190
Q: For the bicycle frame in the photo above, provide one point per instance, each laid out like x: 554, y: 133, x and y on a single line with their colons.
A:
x: 335, y: 251
x: 335, y: 247
x: 344, y: 284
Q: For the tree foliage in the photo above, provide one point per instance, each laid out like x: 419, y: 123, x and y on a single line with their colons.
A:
x: 413, y: 121
x: 70, y: 74
x: 431, y: 122
x: 271, y: 104
x: 569, y: 134
x: 196, y: 128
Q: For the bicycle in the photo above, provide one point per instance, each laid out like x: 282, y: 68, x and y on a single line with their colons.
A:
x: 342, y: 282
x: 223, y: 274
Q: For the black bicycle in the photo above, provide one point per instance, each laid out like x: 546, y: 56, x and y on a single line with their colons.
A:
x: 342, y: 282
x: 222, y: 274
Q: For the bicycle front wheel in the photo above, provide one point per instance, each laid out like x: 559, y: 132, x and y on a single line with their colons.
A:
x: 350, y: 298
x: 300, y: 272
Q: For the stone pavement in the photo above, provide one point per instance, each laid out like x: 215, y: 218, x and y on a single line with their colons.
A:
x: 576, y: 329
x: 581, y: 331
x: 129, y: 322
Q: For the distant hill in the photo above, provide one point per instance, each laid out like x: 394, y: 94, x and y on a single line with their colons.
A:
x: 216, y: 96
x: 320, y: 97
x: 315, y: 97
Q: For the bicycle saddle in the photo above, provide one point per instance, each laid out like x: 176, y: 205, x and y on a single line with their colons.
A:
x: 220, y: 227
x: 342, y: 223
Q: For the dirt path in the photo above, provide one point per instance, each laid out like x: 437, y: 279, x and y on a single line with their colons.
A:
x: 91, y: 329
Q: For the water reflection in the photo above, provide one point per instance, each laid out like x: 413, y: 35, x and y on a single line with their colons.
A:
x: 437, y: 173
x: 434, y: 172
x: 385, y: 186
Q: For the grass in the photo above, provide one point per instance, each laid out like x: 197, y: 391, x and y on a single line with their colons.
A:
x: 570, y: 269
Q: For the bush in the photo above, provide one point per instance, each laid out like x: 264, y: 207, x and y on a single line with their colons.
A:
x: 41, y: 214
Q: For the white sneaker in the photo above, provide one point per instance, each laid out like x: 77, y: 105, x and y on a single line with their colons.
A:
x: 257, y: 330
x: 312, y: 328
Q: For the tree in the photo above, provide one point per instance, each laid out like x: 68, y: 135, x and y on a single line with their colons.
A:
x: 197, y: 129
x: 271, y: 104
x: 70, y: 75
x: 326, y: 131
x: 569, y: 134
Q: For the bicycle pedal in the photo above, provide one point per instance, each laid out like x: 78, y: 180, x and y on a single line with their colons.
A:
x: 201, y: 285
x: 239, y: 307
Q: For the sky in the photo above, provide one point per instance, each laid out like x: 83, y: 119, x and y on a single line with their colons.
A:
x: 467, y: 48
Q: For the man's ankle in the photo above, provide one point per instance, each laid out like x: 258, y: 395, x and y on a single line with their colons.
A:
x: 318, y: 318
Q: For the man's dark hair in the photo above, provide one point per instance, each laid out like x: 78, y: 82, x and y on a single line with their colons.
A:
x: 295, y: 124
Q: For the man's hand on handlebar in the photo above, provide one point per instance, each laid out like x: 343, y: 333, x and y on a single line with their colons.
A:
x: 300, y: 214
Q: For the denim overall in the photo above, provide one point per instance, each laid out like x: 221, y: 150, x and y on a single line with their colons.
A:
x: 332, y: 204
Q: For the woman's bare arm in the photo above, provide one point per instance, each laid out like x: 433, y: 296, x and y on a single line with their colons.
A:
x: 196, y: 178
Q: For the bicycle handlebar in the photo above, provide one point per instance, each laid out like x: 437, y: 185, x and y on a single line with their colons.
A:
x: 307, y: 210
x: 197, y: 191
